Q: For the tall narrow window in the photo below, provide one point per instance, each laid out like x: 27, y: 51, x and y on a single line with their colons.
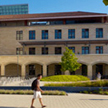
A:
x: 85, y: 50
x: 31, y: 35
x: 32, y: 69
x: 99, y: 49
x: 19, y: 35
x: 71, y: 33
x: 72, y: 48
x: 44, y: 34
x: 58, y: 34
x: 19, y: 51
x: 99, y: 32
x: 85, y: 33
x: 58, y: 50
x: 31, y: 51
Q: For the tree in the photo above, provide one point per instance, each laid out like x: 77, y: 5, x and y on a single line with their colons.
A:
x: 105, y: 2
x: 69, y: 61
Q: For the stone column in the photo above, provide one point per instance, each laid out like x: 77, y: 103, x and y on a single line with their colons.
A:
x: 90, y: 73
x: 23, y: 71
x: 44, y: 70
x: 2, y: 70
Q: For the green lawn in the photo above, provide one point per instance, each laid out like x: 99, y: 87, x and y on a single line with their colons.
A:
x: 65, y: 78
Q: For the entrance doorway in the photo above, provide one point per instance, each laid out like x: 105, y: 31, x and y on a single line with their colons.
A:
x: 84, y: 70
x: 99, y: 68
x: 31, y: 69
x: 57, y: 69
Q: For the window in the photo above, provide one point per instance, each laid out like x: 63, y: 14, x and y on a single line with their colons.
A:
x: 85, y: 33
x: 57, y: 50
x: 32, y: 35
x: 72, y: 48
x: 71, y: 33
x: 32, y: 51
x: 58, y: 34
x: 45, y: 50
x: 44, y: 34
x: 31, y: 69
x: 19, y: 35
x: 99, y: 32
x: 19, y: 51
x: 99, y: 49
x: 85, y: 50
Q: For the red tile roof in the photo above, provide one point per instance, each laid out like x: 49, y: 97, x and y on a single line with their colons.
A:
x: 50, y: 16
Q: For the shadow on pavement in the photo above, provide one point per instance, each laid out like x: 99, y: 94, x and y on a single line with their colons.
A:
x: 95, y: 99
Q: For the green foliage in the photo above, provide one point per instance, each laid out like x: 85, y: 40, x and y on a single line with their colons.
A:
x: 65, y: 78
x: 105, y: 2
x: 100, y: 91
x: 80, y: 84
x: 30, y: 92
x: 69, y: 61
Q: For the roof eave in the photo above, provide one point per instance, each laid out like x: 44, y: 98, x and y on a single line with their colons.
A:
x: 47, y: 18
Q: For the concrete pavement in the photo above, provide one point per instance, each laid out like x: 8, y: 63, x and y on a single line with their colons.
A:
x: 70, y: 101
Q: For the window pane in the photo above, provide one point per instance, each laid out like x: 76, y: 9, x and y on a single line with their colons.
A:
x: 57, y: 50
x: 71, y: 33
x: 58, y: 34
x: 99, y: 32
x: 32, y: 35
x: 85, y: 33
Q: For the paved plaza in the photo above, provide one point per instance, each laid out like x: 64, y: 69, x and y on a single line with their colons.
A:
x: 70, y: 101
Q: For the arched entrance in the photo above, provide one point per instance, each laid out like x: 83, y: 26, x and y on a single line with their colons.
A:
x: 102, y: 68
x: 12, y: 70
x: 33, y: 69
x: 82, y: 70
x: 54, y: 69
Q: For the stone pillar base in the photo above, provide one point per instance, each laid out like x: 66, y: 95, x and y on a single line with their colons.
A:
x: 67, y: 72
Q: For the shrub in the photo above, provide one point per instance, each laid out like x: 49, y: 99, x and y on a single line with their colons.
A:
x: 65, y: 78
x: 30, y: 92
x: 80, y: 84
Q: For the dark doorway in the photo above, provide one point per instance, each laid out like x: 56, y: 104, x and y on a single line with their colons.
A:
x: 84, y: 70
x: 99, y: 68
x: 57, y: 69
x: 31, y: 69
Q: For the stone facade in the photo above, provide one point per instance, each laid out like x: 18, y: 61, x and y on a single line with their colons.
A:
x: 14, y: 65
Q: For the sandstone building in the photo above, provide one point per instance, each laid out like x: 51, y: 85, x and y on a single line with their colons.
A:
x: 34, y: 43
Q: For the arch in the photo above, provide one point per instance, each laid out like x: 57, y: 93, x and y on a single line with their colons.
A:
x: 33, y: 69
x: 98, y: 62
x: 54, y: 68
x: 53, y: 62
x: 12, y: 63
x: 12, y: 69
x: 33, y: 62
x: 82, y: 62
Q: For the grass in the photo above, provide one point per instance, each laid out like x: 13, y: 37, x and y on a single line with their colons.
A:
x: 30, y: 92
x: 65, y: 78
x: 102, y: 83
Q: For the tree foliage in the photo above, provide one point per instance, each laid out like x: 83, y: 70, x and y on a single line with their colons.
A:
x: 105, y: 2
x: 69, y: 61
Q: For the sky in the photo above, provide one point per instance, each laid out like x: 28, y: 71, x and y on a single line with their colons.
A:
x: 48, y: 6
